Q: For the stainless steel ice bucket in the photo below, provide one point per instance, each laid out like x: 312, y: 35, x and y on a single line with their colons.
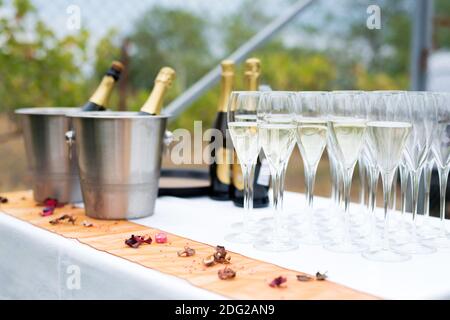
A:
x: 52, y: 162
x: 119, y: 159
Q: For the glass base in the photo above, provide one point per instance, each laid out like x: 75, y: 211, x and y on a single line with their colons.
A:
x: 345, y: 247
x: 255, y: 228
x: 384, y: 255
x: 275, y: 244
x: 442, y: 242
x: 427, y: 231
x: 413, y: 247
x: 400, y: 237
x: 309, y: 238
x: 240, y: 237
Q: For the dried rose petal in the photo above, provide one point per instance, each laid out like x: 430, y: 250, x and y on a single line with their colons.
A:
x: 304, y: 277
x: 136, y: 241
x: 64, y: 217
x: 277, y: 282
x: 209, y: 261
x: 161, y: 237
x: 3, y: 200
x: 47, y: 211
x: 226, y: 273
x: 220, y: 256
x: 321, y: 276
x: 187, y: 252
x: 87, y: 224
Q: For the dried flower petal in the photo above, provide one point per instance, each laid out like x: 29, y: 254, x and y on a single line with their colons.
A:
x: 51, y: 202
x: 87, y: 224
x: 47, y: 211
x: 187, y: 252
x: 321, y: 276
x: 220, y: 256
x: 161, y: 237
x: 277, y: 282
x: 3, y: 200
x: 304, y: 277
x: 226, y: 273
x: 65, y: 217
x: 209, y: 261
x: 136, y: 241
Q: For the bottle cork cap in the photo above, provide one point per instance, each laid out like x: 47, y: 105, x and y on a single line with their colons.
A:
x: 227, y: 66
x: 117, y: 65
x: 253, y: 65
x: 166, y: 75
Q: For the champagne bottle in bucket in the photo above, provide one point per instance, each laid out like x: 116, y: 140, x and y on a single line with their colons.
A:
x: 163, y: 81
x: 99, y: 100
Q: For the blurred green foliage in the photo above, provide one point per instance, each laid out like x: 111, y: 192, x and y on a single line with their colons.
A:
x: 40, y: 69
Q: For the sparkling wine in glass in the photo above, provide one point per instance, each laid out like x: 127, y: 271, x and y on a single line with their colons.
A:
x: 441, y: 151
x: 422, y: 116
x: 311, y: 111
x: 347, y: 126
x: 388, y: 139
x: 277, y: 137
x: 243, y: 129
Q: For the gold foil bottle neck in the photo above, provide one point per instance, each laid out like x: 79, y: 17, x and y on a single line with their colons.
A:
x: 252, y: 74
x: 226, y: 84
x: 166, y: 75
x: 103, y: 92
x: 162, y: 81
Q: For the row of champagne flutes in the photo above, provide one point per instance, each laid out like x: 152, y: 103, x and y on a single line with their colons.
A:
x: 385, y: 131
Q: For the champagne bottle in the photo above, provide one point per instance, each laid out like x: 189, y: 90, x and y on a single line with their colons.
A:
x: 99, y: 100
x: 162, y: 82
x: 261, y: 181
x: 220, y: 169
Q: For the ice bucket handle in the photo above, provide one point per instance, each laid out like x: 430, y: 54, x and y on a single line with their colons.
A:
x: 70, y: 140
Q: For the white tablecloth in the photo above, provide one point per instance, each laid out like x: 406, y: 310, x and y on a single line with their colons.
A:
x: 35, y: 263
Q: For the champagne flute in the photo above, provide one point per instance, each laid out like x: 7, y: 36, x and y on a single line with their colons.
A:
x: 441, y: 150
x: 277, y: 131
x: 311, y: 109
x: 347, y: 127
x: 243, y: 129
x: 388, y: 129
x: 422, y: 114
x: 426, y: 230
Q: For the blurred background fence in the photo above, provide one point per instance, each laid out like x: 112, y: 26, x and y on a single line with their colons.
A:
x: 53, y: 53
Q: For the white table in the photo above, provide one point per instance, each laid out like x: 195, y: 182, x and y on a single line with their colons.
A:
x: 38, y: 268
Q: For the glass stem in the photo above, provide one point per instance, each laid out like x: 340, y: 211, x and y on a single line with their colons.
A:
x: 415, y: 180
x: 362, y: 178
x: 443, y: 178
x: 247, y: 172
x: 427, y: 170
x: 334, y: 197
x: 276, y: 205
x: 394, y: 191
x: 281, y: 186
x: 347, y: 180
x: 310, y: 175
x: 372, y: 173
x: 334, y: 180
x: 387, y: 179
x: 373, y: 183
x: 404, y: 175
